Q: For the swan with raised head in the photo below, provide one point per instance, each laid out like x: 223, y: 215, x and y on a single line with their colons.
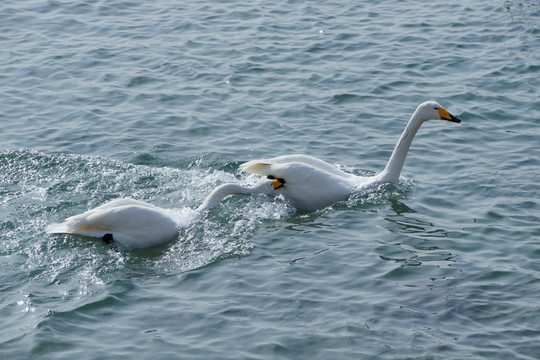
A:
x: 310, y: 183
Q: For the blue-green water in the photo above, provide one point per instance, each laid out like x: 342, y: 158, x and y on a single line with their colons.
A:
x: 161, y: 101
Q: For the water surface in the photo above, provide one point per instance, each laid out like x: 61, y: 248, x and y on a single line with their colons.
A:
x: 162, y: 101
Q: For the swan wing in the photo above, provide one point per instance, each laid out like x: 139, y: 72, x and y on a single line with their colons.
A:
x: 261, y: 166
x: 97, y: 222
x: 85, y: 224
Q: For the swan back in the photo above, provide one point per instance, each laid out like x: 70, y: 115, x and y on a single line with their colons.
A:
x: 258, y: 166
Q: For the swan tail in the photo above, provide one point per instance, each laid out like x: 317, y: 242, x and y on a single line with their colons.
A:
x: 57, y: 228
x: 84, y: 230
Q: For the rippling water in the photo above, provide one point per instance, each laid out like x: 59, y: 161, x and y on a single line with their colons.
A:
x: 161, y: 101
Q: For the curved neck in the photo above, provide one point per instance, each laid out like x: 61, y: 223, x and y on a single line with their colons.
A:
x: 215, y: 197
x: 397, y: 159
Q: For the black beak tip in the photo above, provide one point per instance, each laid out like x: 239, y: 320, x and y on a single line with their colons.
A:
x: 454, y: 119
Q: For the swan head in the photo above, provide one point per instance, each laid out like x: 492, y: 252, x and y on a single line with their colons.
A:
x: 432, y: 110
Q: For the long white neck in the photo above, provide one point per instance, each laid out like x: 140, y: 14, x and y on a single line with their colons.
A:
x: 215, y: 197
x: 397, y: 159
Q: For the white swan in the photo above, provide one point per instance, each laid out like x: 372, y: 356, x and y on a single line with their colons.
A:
x: 310, y: 183
x: 132, y: 223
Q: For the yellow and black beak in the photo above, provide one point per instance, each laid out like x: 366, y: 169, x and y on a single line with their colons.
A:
x: 276, y: 182
x: 445, y: 115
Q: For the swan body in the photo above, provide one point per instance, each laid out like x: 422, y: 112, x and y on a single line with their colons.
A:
x: 131, y: 223
x: 310, y: 183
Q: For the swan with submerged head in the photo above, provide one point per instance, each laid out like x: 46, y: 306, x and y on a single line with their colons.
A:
x: 132, y: 223
x: 311, y: 184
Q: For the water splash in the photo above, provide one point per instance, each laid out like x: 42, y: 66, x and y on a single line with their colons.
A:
x: 42, y: 188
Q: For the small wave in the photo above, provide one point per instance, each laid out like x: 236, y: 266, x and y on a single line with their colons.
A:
x: 345, y: 98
